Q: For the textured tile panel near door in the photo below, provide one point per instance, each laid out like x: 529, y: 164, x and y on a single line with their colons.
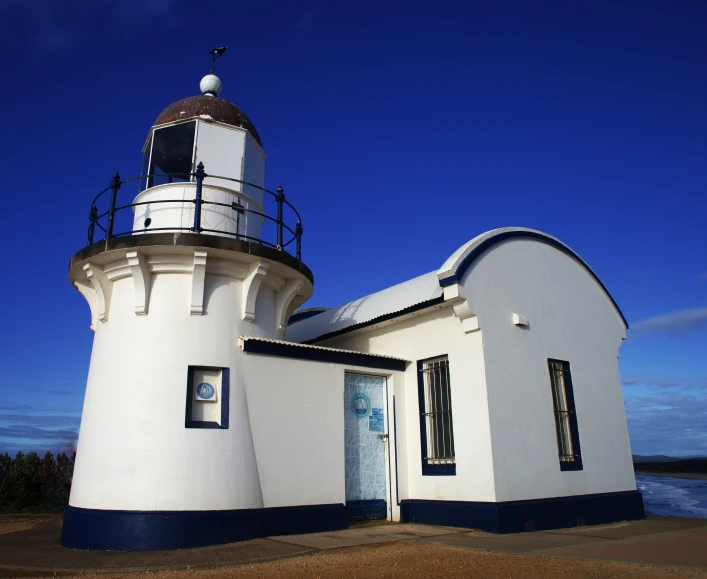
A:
x: 364, y: 424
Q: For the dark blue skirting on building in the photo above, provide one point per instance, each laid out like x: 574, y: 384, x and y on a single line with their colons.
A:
x: 367, y: 510
x: 530, y: 515
x: 160, y: 530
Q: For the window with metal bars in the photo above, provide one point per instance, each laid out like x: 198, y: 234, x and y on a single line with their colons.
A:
x: 565, y: 415
x: 436, y: 430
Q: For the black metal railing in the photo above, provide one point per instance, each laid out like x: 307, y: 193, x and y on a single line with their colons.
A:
x: 106, y: 220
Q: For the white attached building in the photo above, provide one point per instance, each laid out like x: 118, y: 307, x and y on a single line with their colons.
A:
x: 485, y: 394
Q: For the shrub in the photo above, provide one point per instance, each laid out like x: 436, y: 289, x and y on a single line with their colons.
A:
x: 29, y: 483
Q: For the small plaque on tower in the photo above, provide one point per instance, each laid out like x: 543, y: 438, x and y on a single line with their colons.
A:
x: 205, y: 392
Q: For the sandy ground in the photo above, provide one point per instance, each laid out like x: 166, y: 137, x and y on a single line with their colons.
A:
x: 14, y: 523
x: 687, y: 475
x: 408, y: 559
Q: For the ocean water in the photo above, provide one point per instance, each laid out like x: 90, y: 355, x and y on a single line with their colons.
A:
x: 673, y: 497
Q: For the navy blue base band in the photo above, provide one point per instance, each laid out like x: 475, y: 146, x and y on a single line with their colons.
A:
x: 367, y: 510
x: 532, y: 515
x: 161, y: 530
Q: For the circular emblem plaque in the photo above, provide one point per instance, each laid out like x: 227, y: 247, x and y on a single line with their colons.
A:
x: 361, y: 405
x: 205, y: 391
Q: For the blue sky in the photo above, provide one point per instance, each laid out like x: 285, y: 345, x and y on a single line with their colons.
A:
x: 399, y: 132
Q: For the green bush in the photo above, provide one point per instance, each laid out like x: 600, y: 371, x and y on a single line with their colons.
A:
x: 29, y: 483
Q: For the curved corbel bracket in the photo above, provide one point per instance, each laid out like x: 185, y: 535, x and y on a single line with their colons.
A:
x: 251, y: 285
x: 103, y: 287
x: 141, y: 281
x: 198, y: 278
x: 298, y: 300
x: 462, y: 309
x: 86, y: 290
x: 283, y: 300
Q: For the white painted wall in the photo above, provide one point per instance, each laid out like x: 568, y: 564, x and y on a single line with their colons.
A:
x: 134, y: 452
x: 226, y: 151
x: 181, y: 214
x: 296, y: 413
x: 232, y: 152
x: 570, y: 318
x: 222, y: 150
x: 253, y: 169
x: 284, y: 445
x: 504, y: 430
x: 430, y: 334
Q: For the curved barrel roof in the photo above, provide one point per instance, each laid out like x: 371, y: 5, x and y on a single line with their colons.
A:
x: 425, y: 290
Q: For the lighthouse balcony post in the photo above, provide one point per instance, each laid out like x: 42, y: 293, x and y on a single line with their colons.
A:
x: 224, y: 211
x: 197, y: 203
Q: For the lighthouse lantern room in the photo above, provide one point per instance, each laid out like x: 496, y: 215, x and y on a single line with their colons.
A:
x: 215, y: 133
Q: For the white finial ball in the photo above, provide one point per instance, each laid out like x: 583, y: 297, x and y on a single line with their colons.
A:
x: 211, y: 85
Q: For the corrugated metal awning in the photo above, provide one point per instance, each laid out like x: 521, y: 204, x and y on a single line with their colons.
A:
x: 282, y: 348
x: 366, y: 309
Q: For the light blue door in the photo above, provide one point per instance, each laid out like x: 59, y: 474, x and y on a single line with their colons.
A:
x: 364, y: 436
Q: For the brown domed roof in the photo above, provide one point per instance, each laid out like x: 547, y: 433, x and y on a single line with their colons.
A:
x: 219, y: 109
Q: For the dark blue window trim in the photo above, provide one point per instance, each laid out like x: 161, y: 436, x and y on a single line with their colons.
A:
x: 395, y: 440
x: 225, y: 397
x: 576, y: 464
x: 496, y: 239
x: 429, y: 469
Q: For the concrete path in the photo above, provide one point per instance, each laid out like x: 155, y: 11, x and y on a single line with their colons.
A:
x: 35, y: 551
x: 367, y: 534
x: 656, y: 540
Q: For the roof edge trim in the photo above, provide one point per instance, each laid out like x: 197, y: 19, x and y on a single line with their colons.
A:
x: 282, y: 349
x: 305, y: 314
x: 417, y: 307
x: 461, y: 260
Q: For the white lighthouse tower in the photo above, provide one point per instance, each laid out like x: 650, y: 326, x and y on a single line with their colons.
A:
x: 196, y: 255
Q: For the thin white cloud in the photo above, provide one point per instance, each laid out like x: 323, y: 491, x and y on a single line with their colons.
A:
x: 22, y: 428
x: 666, y: 414
x: 682, y: 321
x: 36, y: 437
x: 696, y: 383
x: 41, y: 421
x: 668, y: 423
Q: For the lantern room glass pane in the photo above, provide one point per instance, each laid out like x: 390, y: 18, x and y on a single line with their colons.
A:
x: 171, y: 154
